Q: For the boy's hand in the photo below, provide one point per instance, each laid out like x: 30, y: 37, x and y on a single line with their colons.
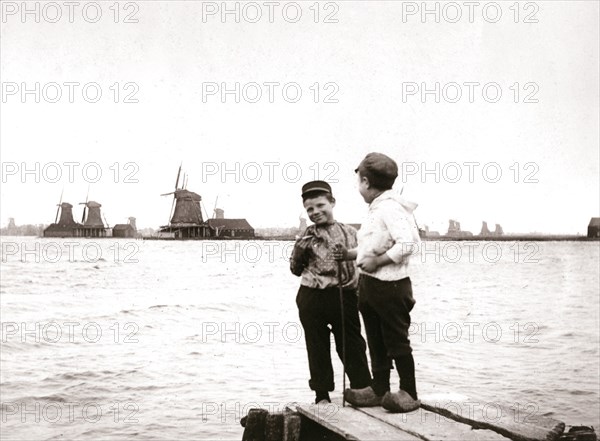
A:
x: 300, y: 255
x: 340, y: 252
x: 368, y: 264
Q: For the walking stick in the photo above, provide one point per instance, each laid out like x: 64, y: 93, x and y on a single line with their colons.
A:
x: 339, y: 262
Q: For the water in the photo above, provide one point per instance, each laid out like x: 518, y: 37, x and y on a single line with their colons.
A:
x: 177, y: 340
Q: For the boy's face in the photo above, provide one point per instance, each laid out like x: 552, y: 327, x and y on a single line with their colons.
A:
x: 319, y: 210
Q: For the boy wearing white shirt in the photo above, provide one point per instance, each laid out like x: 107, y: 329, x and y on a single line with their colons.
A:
x: 386, y: 241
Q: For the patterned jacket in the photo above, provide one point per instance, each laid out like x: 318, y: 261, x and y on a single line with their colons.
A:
x: 312, y: 257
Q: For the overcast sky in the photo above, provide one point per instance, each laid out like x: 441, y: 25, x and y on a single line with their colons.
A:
x: 371, y: 60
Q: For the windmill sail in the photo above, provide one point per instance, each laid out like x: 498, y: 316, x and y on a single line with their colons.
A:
x: 178, y: 173
x: 85, y: 206
x: 58, y: 206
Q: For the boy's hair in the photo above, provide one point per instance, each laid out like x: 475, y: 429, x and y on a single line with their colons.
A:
x: 379, y: 169
x: 318, y: 193
x: 376, y: 180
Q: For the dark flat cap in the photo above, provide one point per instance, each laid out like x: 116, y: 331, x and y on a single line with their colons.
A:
x: 379, y: 164
x: 314, y: 186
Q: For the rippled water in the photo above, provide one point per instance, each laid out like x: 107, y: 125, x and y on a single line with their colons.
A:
x: 177, y: 340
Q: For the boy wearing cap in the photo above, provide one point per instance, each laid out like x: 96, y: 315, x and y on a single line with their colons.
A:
x: 386, y: 241
x: 318, y: 297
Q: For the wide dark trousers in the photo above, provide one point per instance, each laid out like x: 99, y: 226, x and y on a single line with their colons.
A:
x: 385, y: 307
x: 319, y: 309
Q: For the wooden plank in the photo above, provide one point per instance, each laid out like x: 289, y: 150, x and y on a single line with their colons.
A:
x: 274, y: 427
x: 291, y: 427
x: 352, y: 424
x: 431, y: 426
x: 519, y: 422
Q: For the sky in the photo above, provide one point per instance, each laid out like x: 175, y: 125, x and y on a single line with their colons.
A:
x: 491, y: 113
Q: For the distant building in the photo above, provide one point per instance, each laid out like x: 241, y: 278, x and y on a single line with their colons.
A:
x: 125, y: 230
x: 230, y: 228
x: 186, y: 221
x: 485, y: 231
x: 11, y: 229
x: 455, y: 231
x: 594, y: 228
x: 453, y: 228
x: 425, y: 232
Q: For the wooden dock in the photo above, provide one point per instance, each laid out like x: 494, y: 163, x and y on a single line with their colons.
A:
x: 439, y: 418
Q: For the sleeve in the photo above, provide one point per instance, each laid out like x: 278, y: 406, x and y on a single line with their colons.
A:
x: 300, y: 254
x: 351, y: 237
x: 404, y: 233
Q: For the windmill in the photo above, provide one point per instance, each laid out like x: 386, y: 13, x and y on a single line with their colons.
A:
x: 94, y: 215
x: 66, y: 215
x: 91, y: 217
x: 185, y: 208
x: 64, y: 225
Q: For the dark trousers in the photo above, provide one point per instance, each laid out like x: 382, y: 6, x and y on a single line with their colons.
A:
x: 319, y: 308
x: 385, y: 307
